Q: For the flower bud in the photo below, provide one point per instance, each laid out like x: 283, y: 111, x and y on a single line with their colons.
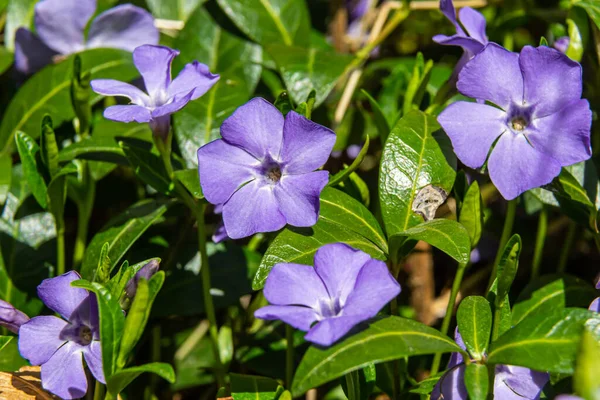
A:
x: 10, y: 317
x: 146, y: 272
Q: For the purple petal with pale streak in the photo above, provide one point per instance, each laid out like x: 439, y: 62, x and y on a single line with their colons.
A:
x: 220, y: 234
x: 564, y: 135
x: 551, y: 79
x: 595, y: 306
x: 252, y: 209
x: 123, y: 27
x: 472, y: 128
x: 195, y: 77
x: 172, y: 107
x: 338, y: 265
x: 474, y: 23
x: 58, y: 294
x: 63, y: 373
x: 328, y: 331
x: 10, y: 317
x: 223, y: 168
x: 295, y: 284
x: 128, y: 113
x: 562, y: 44
x: 60, y: 23
x: 298, y: 197
x: 306, y: 145
x: 297, y: 316
x: 493, y: 74
x: 93, y: 358
x: 154, y: 64
x: 516, y: 167
x: 457, y: 358
x: 468, y: 44
x: 40, y: 338
x: 257, y: 127
x: 451, y: 385
x: 31, y: 54
x: 112, y: 87
x: 517, y: 383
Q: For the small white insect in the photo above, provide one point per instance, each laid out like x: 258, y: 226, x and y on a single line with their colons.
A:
x: 428, y: 200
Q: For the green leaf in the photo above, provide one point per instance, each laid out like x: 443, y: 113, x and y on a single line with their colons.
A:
x: 247, y: 387
x: 306, y: 69
x: 591, y: 7
x: 507, y: 267
x: 19, y: 13
x: 477, y: 381
x: 4, y: 340
x: 270, y: 21
x: 49, y: 147
x: 587, y: 369
x: 378, y: 118
x: 57, y: 194
x: 174, y: 10
x: 28, y: 152
x: 576, y: 41
x: 104, y: 266
x: 5, y: 176
x: 238, y: 62
x: 413, y: 157
x: 554, y: 334
x: 307, y: 107
x: 121, y: 233
x: 99, y: 148
x: 149, y: 168
x: 386, y: 339
x: 48, y: 92
x: 190, y: 179
x: 121, y: 379
x: 447, y: 235
x: 283, y: 103
x: 417, y: 84
x: 345, y: 173
x: 341, y: 219
x: 471, y: 213
x: 474, y: 317
x: 550, y: 293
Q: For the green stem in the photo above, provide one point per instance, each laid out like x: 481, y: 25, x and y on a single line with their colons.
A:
x: 511, y: 212
x: 539, y: 243
x: 289, y: 356
x: 60, y: 248
x: 84, y: 212
x: 566, y: 249
x: 435, y: 366
x: 98, y: 391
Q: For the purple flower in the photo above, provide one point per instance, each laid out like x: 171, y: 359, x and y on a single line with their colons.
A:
x: 595, y: 306
x: 220, y: 233
x: 345, y: 287
x: 562, y: 44
x: 10, y: 317
x: 59, y: 344
x: 60, y: 27
x: 510, y: 382
x: 146, y: 272
x: 262, y: 170
x: 537, y: 119
x: 164, y: 96
x: 470, y: 32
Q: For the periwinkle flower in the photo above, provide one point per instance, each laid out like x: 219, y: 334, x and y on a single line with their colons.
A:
x: 263, y: 169
x: 58, y: 344
x: 535, y: 116
x: 345, y: 287
x: 562, y: 44
x: 10, y: 317
x: 164, y: 96
x: 510, y: 382
x: 60, y: 30
x: 146, y: 272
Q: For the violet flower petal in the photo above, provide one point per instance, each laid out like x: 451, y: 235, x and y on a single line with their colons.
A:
x: 111, y: 87
x: 515, y: 166
x: 220, y: 233
x: 223, y: 168
x: 552, y: 80
x: 306, y: 145
x: 154, y: 64
x: 451, y: 385
x: 31, y: 54
x: 328, y: 331
x: 493, y: 74
x: 123, y: 27
x: 474, y: 23
x: 562, y: 44
x: 595, y: 306
x: 468, y: 44
x: 472, y: 128
x: 298, y: 197
x: 58, y: 294
x: 517, y: 383
x: 40, y: 338
x: 172, y: 107
x: 253, y: 208
x: 128, y: 113
x: 257, y: 127
x: 295, y: 284
x: 10, y: 317
x: 457, y: 358
x: 60, y: 23
x: 194, y: 76
x: 63, y: 373
x: 93, y: 359
x: 296, y: 316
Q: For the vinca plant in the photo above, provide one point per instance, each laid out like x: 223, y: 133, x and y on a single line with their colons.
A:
x: 299, y: 199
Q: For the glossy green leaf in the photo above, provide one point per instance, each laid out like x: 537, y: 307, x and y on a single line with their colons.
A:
x: 341, y: 219
x: 477, y: 381
x: 507, y: 267
x: 48, y: 92
x: 149, y: 168
x: 306, y: 69
x: 49, y: 147
x: 190, y: 179
x: 386, y: 339
x: 237, y: 62
x: 29, y: 154
x: 5, y: 176
x: 575, y: 49
x: 18, y: 13
x: 474, y: 318
x: 378, y: 118
x: 57, y: 194
x: 587, y: 369
x: 174, y: 10
x: 591, y: 7
x: 471, y: 213
x: 550, y: 293
x: 426, y: 385
x: 247, y: 387
x: 98, y: 148
x: 413, y: 157
x: 121, y: 379
x: 306, y: 108
x: 121, y: 233
x: 555, y: 334
x: 346, y: 172
x: 270, y: 21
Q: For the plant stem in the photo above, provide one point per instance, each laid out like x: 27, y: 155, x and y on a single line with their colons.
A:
x: 60, y: 248
x: 435, y: 366
x: 539, y: 243
x: 506, y: 232
x: 98, y: 391
x: 566, y: 249
x: 84, y: 212
x: 289, y: 356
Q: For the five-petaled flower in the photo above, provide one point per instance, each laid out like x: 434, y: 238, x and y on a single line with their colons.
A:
x: 60, y: 27
x: 58, y: 345
x: 510, y: 382
x: 345, y: 287
x: 537, y: 119
x: 263, y: 169
x: 10, y: 317
x: 164, y: 97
